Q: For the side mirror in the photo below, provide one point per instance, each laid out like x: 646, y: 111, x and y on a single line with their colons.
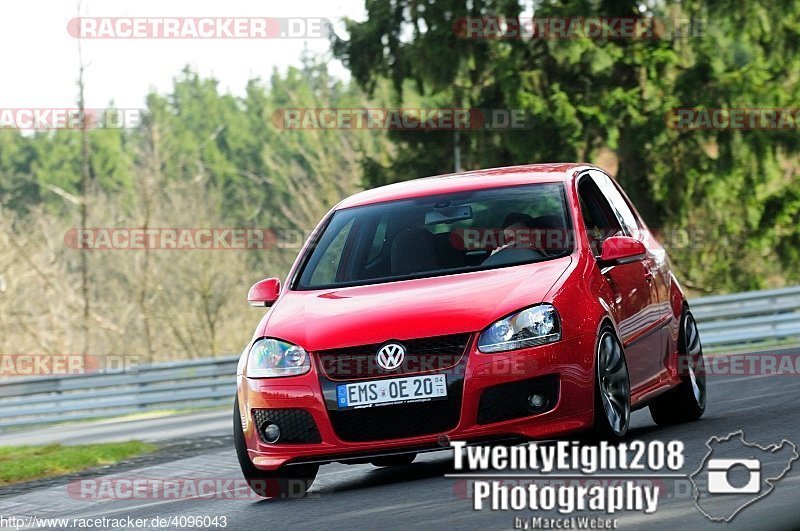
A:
x: 622, y: 250
x: 264, y: 292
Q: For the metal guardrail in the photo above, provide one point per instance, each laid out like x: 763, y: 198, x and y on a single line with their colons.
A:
x: 164, y: 386
x: 725, y: 320
x: 751, y: 317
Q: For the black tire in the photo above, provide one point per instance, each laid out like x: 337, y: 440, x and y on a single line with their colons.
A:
x: 291, y: 481
x: 394, y: 460
x: 612, y: 389
x: 687, y: 401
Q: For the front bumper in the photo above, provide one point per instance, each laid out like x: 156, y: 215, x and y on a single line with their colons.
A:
x: 569, y: 360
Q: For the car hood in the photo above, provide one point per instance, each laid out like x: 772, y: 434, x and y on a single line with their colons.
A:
x: 451, y: 304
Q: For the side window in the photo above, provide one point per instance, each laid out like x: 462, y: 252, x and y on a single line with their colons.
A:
x: 326, y: 271
x: 598, y: 217
x: 618, y: 204
x: 379, y: 240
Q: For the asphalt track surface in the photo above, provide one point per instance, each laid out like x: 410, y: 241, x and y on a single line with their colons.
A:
x: 422, y: 495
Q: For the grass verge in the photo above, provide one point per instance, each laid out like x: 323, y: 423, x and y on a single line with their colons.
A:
x: 24, y: 463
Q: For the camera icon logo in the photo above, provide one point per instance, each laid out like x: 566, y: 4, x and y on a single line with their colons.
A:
x: 735, y: 474
x: 718, y: 476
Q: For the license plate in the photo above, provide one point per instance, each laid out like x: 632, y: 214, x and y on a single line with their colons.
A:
x: 394, y: 391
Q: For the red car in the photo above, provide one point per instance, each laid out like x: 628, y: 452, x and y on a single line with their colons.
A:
x: 506, y: 304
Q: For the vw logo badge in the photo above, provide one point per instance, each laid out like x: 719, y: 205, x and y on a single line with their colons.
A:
x: 390, y: 356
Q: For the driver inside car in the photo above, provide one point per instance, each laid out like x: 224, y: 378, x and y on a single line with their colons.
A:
x: 517, y: 232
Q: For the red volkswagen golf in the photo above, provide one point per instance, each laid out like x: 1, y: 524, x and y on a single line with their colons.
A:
x: 506, y: 304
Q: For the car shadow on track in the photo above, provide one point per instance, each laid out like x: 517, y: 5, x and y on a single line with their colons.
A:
x: 642, y: 432
x: 375, y: 478
x: 392, y: 475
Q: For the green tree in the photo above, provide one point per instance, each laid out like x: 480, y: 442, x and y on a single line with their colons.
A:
x: 735, y: 192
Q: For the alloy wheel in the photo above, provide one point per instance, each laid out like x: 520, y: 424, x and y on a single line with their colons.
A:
x: 694, y: 354
x: 613, y: 383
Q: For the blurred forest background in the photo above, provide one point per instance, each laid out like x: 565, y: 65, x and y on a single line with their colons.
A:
x: 726, y: 203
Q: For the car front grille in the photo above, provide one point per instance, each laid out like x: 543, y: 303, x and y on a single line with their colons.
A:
x: 432, y: 354
x: 398, y: 421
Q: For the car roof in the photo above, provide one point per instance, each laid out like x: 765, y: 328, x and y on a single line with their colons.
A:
x: 467, y: 181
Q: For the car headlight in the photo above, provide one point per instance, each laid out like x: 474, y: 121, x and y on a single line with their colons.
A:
x: 270, y: 358
x: 528, y: 328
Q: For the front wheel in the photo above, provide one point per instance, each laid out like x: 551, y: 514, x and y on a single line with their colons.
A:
x: 687, y: 401
x: 612, y: 409
x: 287, y: 482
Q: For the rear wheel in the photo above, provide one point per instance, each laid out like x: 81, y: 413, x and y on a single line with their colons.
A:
x: 394, y: 460
x: 687, y: 401
x: 612, y: 410
x: 287, y: 482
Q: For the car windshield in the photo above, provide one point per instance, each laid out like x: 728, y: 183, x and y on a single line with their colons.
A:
x: 439, y: 235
